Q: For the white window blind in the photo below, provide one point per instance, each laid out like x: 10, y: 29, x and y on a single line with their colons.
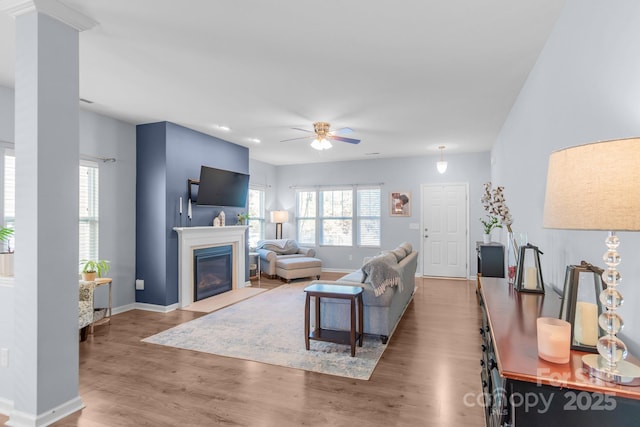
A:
x: 369, y: 216
x: 256, y: 215
x: 89, y: 184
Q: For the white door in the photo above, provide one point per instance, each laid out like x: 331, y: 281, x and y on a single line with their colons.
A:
x: 444, y: 227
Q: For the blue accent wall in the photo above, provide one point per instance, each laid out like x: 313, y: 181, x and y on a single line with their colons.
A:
x: 167, y: 156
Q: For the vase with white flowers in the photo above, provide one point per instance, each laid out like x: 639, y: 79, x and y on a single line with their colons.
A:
x: 494, y: 203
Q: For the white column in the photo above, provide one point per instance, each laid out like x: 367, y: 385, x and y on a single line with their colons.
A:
x: 45, y: 360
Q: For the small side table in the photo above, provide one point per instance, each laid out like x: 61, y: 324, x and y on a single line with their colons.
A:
x: 351, y: 293
x: 256, y: 255
x: 107, y: 318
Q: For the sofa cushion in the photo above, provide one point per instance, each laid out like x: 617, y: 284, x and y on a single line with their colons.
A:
x: 407, y: 247
x: 281, y: 246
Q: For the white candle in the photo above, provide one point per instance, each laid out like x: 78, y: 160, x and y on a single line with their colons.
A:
x: 553, y: 339
x: 530, y: 278
x: 586, y: 323
x: 180, y: 206
x: 189, y: 209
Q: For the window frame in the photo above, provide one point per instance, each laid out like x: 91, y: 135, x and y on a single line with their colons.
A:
x: 355, y: 216
x: 261, y: 219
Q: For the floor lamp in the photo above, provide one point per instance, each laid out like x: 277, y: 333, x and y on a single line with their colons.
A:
x: 596, y: 187
x: 279, y: 217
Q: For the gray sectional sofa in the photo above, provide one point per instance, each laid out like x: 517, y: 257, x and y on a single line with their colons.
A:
x: 382, y: 312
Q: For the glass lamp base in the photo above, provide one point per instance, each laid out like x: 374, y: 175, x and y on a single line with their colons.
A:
x: 626, y: 373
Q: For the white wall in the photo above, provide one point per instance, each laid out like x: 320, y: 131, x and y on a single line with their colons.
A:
x: 397, y: 174
x: 100, y: 136
x: 584, y: 87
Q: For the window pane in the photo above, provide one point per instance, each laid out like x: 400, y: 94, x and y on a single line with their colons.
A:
x: 369, y: 217
x: 255, y: 209
x: 306, y: 217
x: 337, y: 217
x: 337, y: 232
x: 88, y: 211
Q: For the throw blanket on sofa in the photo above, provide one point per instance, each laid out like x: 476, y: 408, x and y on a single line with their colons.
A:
x: 381, y: 275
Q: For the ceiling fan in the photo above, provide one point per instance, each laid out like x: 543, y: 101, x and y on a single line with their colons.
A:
x: 324, y: 135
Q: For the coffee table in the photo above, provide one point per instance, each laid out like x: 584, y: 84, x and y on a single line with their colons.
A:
x: 351, y: 293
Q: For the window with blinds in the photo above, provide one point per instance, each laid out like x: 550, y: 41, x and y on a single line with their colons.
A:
x: 88, y: 203
x: 369, y: 217
x: 339, y: 216
x: 88, y: 214
x: 256, y: 213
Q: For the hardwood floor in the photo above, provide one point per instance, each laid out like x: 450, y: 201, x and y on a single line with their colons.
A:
x: 430, y: 364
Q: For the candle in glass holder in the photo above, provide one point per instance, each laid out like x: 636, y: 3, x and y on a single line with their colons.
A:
x: 586, y: 323
x: 530, y: 278
x: 554, y: 339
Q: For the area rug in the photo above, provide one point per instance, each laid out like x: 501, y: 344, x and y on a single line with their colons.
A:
x: 223, y: 300
x: 269, y: 328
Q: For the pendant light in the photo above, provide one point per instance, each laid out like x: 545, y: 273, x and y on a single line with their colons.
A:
x: 442, y: 164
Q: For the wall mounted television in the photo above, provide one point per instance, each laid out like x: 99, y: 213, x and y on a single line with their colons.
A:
x: 218, y: 187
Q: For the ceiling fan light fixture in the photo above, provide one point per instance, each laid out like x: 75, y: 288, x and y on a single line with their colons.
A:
x: 321, y: 144
x: 442, y: 164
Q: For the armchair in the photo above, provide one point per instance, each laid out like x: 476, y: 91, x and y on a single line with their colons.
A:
x: 87, y: 315
x: 272, y: 251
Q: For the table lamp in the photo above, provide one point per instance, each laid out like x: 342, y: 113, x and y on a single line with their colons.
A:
x: 279, y: 217
x: 597, y: 187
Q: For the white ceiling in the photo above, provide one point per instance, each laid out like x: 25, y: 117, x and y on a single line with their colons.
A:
x: 407, y: 76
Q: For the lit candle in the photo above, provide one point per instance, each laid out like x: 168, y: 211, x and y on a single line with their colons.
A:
x: 586, y: 323
x: 180, y: 206
x: 530, y: 278
x: 189, y: 209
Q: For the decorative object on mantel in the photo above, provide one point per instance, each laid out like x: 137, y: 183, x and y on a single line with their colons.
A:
x: 243, y: 218
x: 189, y: 212
x: 495, y: 205
x: 529, y: 274
x: 216, y: 222
x: 580, y: 306
x: 222, y: 219
x: 489, y: 225
x: 595, y: 187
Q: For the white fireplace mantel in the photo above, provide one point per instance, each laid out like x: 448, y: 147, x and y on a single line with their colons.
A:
x: 191, y: 238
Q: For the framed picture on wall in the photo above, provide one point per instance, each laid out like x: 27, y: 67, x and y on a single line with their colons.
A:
x: 400, y: 203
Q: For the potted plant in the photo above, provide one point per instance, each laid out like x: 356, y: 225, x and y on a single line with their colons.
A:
x: 6, y: 258
x: 489, y: 224
x: 93, y: 267
x: 243, y: 218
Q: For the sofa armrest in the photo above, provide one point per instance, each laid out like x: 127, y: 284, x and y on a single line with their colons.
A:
x: 310, y: 252
x: 267, y: 254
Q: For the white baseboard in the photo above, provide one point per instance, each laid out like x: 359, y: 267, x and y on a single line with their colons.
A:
x: 123, y: 308
x: 6, y: 406
x: 155, y: 307
x: 23, y: 419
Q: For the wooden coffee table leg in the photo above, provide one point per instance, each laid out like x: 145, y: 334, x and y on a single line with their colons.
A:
x: 306, y: 321
x: 353, y: 326
x: 360, y: 319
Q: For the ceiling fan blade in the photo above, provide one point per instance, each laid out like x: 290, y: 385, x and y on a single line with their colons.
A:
x: 295, y: 139
x: 343, y: 139
x: 303, y: 130
x: 342, y: 130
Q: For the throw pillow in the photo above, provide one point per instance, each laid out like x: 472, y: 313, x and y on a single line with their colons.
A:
x: 385, y: 257
x: 407, y: 247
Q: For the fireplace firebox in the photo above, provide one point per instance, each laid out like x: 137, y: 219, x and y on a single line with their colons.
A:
x: 213, y: 271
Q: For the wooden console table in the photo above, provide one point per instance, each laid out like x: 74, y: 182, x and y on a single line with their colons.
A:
x: 521, y: 389
x: 353, y: 294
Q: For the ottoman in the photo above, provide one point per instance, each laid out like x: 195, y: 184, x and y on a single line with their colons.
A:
x: 295, y: 268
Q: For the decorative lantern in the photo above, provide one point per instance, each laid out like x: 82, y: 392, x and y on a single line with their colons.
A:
x: 528, y: 271
x: 580, y: 305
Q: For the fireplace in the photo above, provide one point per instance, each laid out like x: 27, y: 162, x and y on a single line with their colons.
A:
x: 191, y: 239
x: 213, y: 272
